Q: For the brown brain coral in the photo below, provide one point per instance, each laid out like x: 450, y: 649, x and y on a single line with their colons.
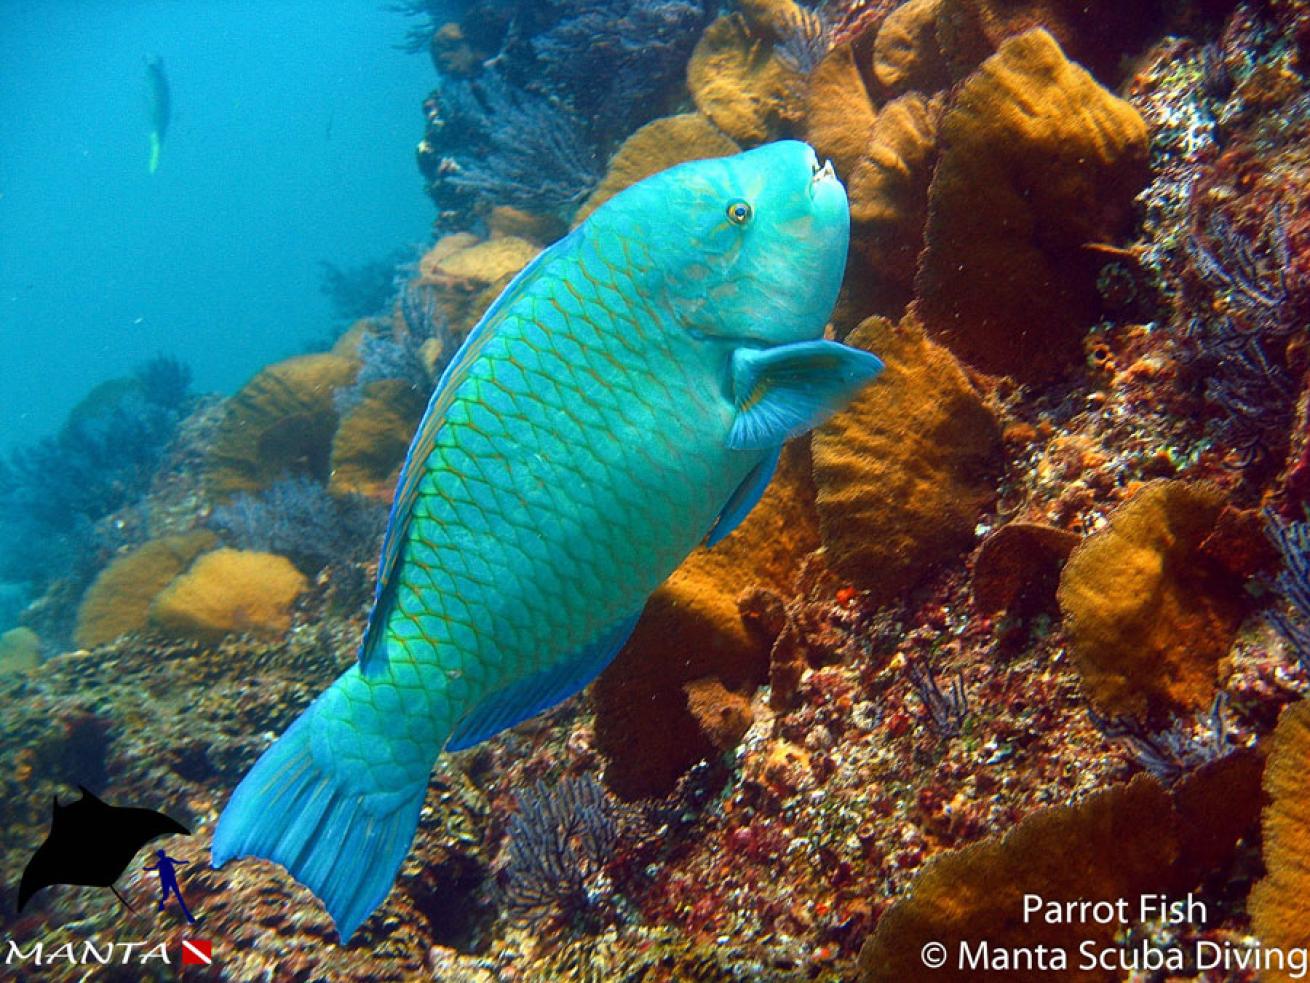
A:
x: 1018, y: 567
x: 1037, y: 160
x: 1149, y: 614
x: 692, y: 629
x: 118, y: 601
x: 1280, y: 903
x: 230, y: 591
x: 280, y: 423
x: 903, y: 473
x: 659, y: 144
x: 467, y: 275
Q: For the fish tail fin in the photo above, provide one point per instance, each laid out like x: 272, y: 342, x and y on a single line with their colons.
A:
x: 156, y: 145
x: 291, y: 810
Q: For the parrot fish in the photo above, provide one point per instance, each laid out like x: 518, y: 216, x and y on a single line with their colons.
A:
x: 158, y: 106
x: 622, y: 402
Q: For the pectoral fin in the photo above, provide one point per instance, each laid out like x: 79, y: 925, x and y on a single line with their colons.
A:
x: 782, y: 392
x: 745, y: 498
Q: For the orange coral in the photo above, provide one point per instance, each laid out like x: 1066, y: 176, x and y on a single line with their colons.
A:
x: 1125, y: 845
x: 839, y: 116
x: 373, y: 438
x: 903, y: 473
x: 118, y: 601
x: 691, y: 629
x: 468, y: 274
x: 906, y: 53
x: 889, y: 194
x: 1280, y: 903
x: 658, y: 145
x: 738, y: 82
x: 1149, y: 616
x: 230, y: 591
x: 1037, y: 161
x: 280, y: 423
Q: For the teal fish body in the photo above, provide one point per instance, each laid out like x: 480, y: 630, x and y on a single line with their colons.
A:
x: 623, y: 401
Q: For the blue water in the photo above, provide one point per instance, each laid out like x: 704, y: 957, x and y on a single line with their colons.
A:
x: 292, y: 141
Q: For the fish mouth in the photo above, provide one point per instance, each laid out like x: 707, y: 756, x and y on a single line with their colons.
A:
x: 821, y: 173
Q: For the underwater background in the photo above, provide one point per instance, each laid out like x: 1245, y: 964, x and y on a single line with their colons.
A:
x: 1031, y: 617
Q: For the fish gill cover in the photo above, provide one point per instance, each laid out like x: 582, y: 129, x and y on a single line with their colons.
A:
x: 1021, y: 619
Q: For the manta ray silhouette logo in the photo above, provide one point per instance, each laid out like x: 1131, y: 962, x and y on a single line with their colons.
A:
x: 91, y: 843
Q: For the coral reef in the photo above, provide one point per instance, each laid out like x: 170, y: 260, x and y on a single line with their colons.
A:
x: 904, y: 472
x: 280, y: 424
x: 659, y: 144
x: 738, y: 80
x: 1018, y: 568
x: 1149, y: 615
x: 118, y: 601
x: 298, y: 518
x: 20, y: 650
x: 1127, y: 844
x: 229, y: 591
x: 1037, y: 161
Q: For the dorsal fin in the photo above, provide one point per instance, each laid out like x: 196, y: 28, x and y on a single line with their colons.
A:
x: 371, y: 656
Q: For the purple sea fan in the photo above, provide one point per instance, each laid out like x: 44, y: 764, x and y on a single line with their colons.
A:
x: 560, y: 842
x: 507, y: 147
x: 614, y: 61
x: 1239, y: 338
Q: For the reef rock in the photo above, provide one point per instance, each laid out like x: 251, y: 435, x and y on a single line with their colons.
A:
x: 119, y: 600
x: 279, y: 424
x: 230, y: 591
x: 904, y: 471
x: 1149, y: 614
x: 692, y: 629
x: 371, y: 442
x: 658, y: 145
x: 1037, y: 161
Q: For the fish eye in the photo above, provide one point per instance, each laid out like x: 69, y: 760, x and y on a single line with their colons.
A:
x: 739, y: 212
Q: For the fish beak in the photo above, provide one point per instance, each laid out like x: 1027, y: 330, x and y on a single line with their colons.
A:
x: 821, y: 174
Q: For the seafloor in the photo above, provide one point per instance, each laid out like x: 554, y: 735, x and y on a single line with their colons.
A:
x: 1031, y: 617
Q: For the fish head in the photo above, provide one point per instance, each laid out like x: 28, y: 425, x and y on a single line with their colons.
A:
x: 752, y: 247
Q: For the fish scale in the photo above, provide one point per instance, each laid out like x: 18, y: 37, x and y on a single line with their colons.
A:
x: 626, y: 395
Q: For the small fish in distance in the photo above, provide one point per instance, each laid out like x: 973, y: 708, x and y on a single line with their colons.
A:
x: 623, y: 401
